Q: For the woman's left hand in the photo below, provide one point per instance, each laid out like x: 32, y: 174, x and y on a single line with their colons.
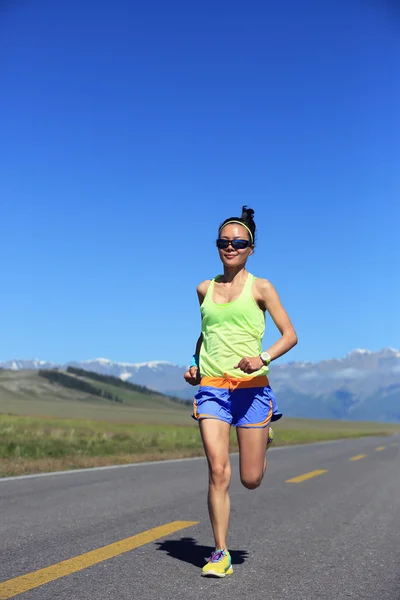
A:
x: 249, y: 364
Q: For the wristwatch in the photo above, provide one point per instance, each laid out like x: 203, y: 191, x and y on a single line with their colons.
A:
x: 265, y: 357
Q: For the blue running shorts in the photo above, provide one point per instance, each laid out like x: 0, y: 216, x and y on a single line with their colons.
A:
x: 246, y: 402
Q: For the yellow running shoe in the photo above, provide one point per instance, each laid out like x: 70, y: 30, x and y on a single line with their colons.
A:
x: 270, y: 437
x: 219, y: 564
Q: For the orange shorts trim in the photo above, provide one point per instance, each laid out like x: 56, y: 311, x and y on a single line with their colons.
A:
x: 262, y: 424
x: 232, y: 383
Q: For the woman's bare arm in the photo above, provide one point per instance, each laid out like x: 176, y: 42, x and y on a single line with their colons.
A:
x: 266, y: 296
x: 192, y: 375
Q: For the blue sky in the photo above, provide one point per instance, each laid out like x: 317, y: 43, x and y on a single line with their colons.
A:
x: 131, y: 130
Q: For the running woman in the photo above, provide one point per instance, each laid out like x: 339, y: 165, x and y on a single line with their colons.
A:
x: 232, y: 372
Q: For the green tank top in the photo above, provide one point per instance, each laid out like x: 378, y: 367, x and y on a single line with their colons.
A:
x: 230, y: 332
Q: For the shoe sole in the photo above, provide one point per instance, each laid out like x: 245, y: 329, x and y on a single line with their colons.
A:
x: 215, y: 574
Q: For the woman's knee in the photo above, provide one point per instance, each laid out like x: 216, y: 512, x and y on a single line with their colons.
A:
x: 251, y: 481
x: 220, y: 473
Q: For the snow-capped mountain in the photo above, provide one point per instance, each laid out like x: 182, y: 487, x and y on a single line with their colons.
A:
x: 361, y: 385
x: 159, y: 375
x: 19, y: 365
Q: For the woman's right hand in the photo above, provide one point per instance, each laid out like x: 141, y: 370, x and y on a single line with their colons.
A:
x: 192, y: 376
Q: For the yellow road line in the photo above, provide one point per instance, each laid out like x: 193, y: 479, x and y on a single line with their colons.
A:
x: 358, y: 457
x: 13, y: 587
x: 301, y: 478
x: 380, y: 448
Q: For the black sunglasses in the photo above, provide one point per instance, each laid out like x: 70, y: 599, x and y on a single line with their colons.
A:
x: 222, y: 244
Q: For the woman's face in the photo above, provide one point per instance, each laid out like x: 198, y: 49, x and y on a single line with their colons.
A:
x: 230, y: 256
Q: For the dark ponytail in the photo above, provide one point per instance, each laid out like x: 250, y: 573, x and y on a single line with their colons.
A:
x: 246, y: 218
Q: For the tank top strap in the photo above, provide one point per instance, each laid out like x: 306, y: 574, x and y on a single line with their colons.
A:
x: 247, y: 290
x: 210, y: 289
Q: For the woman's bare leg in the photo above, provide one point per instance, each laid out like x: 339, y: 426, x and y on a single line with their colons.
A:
x: 215, y: 436
x: 252, y: 449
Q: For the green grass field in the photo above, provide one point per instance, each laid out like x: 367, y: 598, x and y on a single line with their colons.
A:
x: 40, y: 444
x: 45, y: 427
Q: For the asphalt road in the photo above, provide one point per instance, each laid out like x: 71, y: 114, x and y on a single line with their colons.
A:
x: 334, y: 535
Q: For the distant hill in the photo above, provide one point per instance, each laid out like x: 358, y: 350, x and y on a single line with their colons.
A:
x: 75, y: 393
x: 363, y: 385
x: 119, y: 383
